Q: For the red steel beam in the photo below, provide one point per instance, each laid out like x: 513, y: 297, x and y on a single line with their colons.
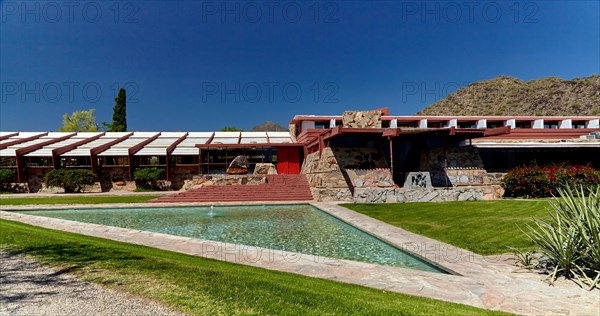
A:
x: 59, y: 151
x: 22, y: 140
x: 97, y: 150
x: 7, y: 136
x: 25, y: 150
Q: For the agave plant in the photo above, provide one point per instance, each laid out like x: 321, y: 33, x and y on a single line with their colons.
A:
x: 571, y: 238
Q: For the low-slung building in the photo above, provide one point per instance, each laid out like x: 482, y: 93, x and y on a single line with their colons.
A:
x: 453, y: 150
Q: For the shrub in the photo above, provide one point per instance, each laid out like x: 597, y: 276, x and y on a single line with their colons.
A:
x: 147, y: 177
x: 71, y: 180
x: 570, y: 240
x: 536, y: 181
x: 7, y: 176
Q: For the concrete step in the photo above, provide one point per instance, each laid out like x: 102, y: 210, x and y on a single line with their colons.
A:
x: 276, y: 188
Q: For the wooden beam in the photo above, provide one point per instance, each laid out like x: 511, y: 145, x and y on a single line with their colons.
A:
x: 59, y: 151
x: 170, y: 149
x: 22, y: 140
x: 132, y: 150
x: 25, y: 150
x: 7, y: 136
x: 97, y: 150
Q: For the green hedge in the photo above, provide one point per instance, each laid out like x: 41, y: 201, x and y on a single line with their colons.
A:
x: 544, y: 181
x: 73, y: 180
x: 147, y: 177
x: 7, y: 176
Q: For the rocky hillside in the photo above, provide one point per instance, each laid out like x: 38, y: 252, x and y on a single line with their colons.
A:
x: 510, y: 96
x: 269, y: 126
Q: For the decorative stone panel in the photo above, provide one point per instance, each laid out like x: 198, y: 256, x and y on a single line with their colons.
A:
x: 418, y: 180
x: 395, y: 195
x: 378, y: 177
x: 361, y: 119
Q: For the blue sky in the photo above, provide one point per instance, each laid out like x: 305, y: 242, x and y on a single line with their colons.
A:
x: 202, y: 65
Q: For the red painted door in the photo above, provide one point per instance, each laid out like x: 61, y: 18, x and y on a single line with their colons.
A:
x: 288, y: 160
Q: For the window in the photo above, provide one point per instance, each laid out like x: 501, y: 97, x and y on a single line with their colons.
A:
x: 153, y: 160
x: 76, y: 161
x: 115, y: 161
x: 523, y: 124
x: 38, y: 162
x: 185, y: 160
x: 216, y: 161
x: 467, y: 124
x: 322, y: 125
x: 495, y: 124
x: 8, y: 161
x: 551, y: 124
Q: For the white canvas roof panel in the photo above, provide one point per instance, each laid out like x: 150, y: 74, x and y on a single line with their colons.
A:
x: 158, y: 147
x: 144, y: 134
x: 152, y: 151
x: 57, y: 134
x: 85, y: 149
x: 87, y: 134
x: 10, y: 151
x: 192, y: 142
x: 254, y: 134
x: 225, y: 140
x: 280, y: 140
x: 253, y: 140
x: 278, y: 134
x: 122, y: 148
x: 115, y: 134
x: 186, y: 151
x: 200, y: 134
x: 46, y: 151
x: 6, y: 133
x: 227, y: 134
x: 172, y: 134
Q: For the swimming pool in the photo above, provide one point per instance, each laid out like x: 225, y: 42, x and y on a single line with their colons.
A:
x: 294, y: 228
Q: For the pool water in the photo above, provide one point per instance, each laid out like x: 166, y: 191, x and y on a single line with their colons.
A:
x: 294, y: 228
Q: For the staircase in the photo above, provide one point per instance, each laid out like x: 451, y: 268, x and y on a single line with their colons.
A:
x: 282, y: 187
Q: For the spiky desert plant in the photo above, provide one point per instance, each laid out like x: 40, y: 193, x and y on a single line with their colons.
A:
x: 571, y: 238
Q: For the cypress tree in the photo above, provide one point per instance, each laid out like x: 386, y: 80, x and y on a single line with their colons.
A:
x: 119, y: 121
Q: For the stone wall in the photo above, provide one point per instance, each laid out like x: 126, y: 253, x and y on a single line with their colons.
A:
x: 359, y: 158
x: 16, y: 187
x: 35, y: 178
x: 200, y: 181
x: 325, y: 177
x: 94, y: 188
x: 378, y: 177
x: 115, y: 179
x: 464, y: 166
x: 334, y: 174
x: 398, y: 195
x: 362, y: 119
x: 179, y: 174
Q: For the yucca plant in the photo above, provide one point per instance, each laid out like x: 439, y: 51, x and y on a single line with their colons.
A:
x: 571, y: 238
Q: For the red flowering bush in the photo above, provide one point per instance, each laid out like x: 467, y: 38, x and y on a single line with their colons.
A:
x: 544, y: 181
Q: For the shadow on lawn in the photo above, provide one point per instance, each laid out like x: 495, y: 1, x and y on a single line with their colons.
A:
x: 75, y: 253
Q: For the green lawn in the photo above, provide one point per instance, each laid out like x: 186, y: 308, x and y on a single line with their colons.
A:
x: 484, y: 227
x: 77, y: 199
x: 205, y: 287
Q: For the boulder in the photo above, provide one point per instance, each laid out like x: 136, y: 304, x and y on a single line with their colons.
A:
x: 239, y: 165
x: 265, y: 168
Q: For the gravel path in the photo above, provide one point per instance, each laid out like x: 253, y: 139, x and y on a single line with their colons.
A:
x: 28, y: 288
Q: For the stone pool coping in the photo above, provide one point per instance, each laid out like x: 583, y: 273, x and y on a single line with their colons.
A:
x: 486, y: 282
